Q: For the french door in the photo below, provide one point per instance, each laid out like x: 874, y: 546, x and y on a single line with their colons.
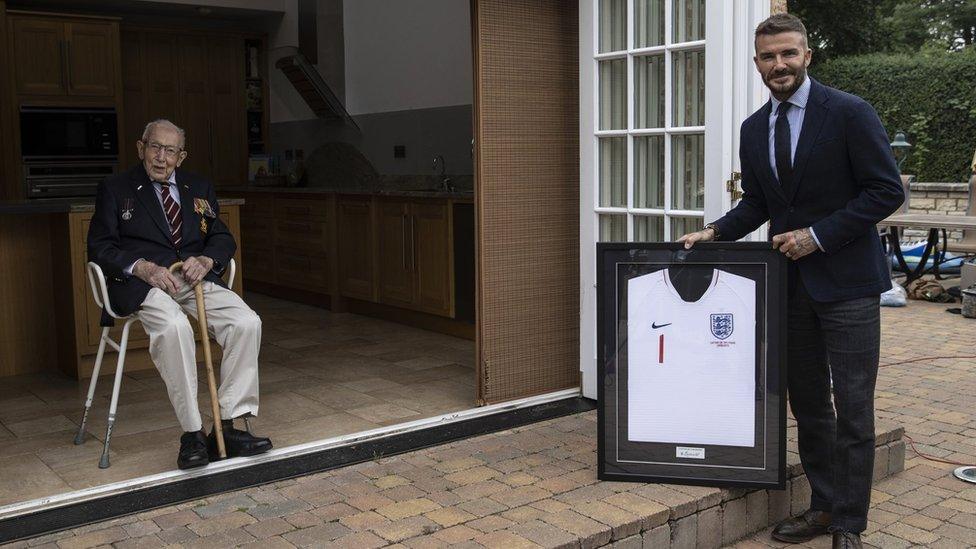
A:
x: 663, y: 87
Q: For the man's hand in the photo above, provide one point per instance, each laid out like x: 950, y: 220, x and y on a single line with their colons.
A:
x: 704, y: 235
x: 795, y: 244
x: 195, y: 268
x: 156, y: 276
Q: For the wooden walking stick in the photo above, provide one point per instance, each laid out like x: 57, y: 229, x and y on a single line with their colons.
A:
x: 208, y: 359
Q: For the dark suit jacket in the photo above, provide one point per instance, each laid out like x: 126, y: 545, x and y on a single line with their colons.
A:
x: 114, y: 243
x: 845, y: 180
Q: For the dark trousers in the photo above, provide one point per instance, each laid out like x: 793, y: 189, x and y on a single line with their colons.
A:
x: 835, y: 346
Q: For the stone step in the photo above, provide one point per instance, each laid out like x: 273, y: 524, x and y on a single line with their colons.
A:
x: 718, y: 517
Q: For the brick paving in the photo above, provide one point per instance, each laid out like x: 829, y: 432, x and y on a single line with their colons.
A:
x: 536, y: 485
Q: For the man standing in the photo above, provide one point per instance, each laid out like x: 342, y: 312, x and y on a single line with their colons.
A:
x: 817, y: 165
x: 145, y: 220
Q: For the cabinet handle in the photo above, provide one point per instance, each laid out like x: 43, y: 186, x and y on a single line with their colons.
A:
x: 66, y: 65
x: 413, y: 242
x: 403, y: 240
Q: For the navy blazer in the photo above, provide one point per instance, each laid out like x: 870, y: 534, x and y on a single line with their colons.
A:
x: 129, y: 224
x: 845, y: 181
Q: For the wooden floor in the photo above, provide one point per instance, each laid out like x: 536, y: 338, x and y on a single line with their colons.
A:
x: 322, y: 375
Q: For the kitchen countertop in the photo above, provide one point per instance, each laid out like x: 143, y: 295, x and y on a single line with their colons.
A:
x: 76, y: 205
x: 423, y: 193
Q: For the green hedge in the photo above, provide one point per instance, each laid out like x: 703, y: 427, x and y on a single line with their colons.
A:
x: 930, y: 97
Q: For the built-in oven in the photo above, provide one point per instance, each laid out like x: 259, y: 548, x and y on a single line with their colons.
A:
x: 67, y: 151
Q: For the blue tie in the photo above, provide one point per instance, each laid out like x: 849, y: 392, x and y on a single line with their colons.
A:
x: 784, y: 161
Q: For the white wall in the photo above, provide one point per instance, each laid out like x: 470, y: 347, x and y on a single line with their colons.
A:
x: 406, y: 54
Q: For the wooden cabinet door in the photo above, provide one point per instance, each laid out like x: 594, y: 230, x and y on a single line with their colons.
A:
x: 229, y: 146
x: 433, y: 257
x: 38, y: 47
x: 91, y: 57
x: 394, y: 253
x: 134, y: 97
x: 195, y: 113
x: 355, y: 228
x: 162, y: 84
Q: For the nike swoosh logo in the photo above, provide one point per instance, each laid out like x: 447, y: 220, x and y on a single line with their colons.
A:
x: 656, y: 326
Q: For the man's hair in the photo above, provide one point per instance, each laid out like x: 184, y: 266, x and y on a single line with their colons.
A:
x: 163, y: 122
x: 779, y: 23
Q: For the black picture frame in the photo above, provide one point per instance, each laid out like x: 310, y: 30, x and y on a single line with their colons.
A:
x: 761, y: 466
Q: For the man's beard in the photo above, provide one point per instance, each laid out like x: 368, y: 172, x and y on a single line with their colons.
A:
x: 798, y: 77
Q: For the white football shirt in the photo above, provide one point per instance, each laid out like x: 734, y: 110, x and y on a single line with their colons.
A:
x: 691, y: 365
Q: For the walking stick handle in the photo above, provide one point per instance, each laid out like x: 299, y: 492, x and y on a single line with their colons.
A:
x: 208, y: 359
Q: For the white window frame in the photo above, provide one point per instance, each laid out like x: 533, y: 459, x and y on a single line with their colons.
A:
x: 733, y: 91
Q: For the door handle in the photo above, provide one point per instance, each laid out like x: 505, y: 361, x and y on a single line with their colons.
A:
x: 732, y: 187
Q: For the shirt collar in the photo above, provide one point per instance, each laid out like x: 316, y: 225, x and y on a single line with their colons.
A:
x: 798, y: 99
x: 171, y: 180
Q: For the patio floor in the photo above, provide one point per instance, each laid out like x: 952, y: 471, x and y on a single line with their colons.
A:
x: 537, y: 485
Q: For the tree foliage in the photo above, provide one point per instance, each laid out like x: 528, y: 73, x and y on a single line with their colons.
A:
x: 853, y: 27
x: 928, y: 96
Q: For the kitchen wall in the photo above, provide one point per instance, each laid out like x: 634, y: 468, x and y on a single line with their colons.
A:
x: 404, y: 71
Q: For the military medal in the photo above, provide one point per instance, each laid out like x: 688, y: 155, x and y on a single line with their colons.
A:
x: 126, y: 209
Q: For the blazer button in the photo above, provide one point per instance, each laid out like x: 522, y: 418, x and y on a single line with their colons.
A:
x: 792, y: 209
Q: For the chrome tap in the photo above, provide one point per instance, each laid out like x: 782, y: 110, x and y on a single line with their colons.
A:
x: 446, y: 184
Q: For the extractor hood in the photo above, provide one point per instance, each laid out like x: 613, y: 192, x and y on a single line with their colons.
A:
x: 313, y: 89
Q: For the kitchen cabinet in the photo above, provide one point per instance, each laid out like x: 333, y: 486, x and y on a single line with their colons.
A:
x: 414, y: 255
x: 196, y: 80
x: 355, y: 247
x: 64, y: 57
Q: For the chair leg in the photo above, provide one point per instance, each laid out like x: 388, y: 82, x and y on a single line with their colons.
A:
x: 80, y: 437
x: 103, y: 463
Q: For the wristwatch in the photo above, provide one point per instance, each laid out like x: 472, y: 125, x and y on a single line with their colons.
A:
x: 714, y: 229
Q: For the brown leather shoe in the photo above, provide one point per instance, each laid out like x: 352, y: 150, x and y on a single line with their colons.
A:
x: 847, y: 540
x: 802, y: 528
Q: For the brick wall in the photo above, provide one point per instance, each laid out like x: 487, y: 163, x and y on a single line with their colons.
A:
x: 937, y: 198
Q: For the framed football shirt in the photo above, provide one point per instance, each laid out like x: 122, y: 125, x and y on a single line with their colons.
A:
x: 692, y: 365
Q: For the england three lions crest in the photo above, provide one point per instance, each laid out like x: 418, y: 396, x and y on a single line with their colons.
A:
x: 722, y: 325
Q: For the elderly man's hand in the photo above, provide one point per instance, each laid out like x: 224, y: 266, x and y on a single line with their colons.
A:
x: 195, y: 268
x: 795, y: 244
x: 156, y: 276
x: 704, y: 235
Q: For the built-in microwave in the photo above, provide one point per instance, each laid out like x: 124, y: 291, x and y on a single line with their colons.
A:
x: 48, y: 133
x: 67, y: 151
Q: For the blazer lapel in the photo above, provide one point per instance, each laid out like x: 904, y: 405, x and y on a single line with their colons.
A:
x: 146, y: 193
x: 813, y: 120
x: 761, y: 150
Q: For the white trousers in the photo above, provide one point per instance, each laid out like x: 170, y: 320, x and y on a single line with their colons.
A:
x: 237, y: 329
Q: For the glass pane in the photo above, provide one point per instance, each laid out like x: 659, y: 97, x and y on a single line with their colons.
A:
x: 649, y: 91
x: 688, y: 172
x: 613, y: 172
x: 648, y: 228
x: 613, y: 25
x: 648, y: 23
x: 613, y: 228
x: 683, y: 225
x: 649, y: 172
x: 689, y: 88
x: 613, y: 94
x: 689, y: 20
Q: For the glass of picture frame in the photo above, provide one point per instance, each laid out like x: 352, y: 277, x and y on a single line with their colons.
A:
x: 691, y: 365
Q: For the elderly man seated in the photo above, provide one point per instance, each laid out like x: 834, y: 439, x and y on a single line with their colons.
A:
x: 146, y: 219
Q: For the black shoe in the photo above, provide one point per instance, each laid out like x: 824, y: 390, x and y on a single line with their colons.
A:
x: 846, y: 540
x: 237, y: 442
x: 802, y: 528
x: 193, y: 450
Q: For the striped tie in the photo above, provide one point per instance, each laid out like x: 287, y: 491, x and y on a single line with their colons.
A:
x: 172, y: 209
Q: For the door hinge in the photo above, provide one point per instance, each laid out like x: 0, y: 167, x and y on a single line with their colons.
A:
x: 731, y: 186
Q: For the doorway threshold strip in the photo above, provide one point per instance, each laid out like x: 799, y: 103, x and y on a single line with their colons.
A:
x: 71, y: 509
